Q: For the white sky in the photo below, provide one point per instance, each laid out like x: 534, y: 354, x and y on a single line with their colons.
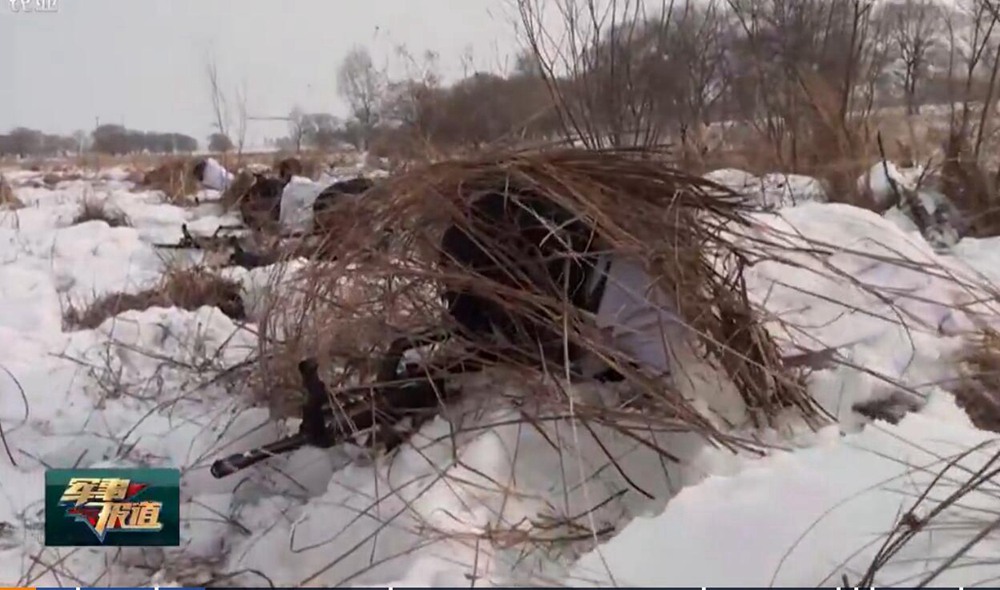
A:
x: 141, y: 63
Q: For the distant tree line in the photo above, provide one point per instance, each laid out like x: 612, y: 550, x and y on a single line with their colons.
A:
x: 781, y: 68
x: 117, y: 140
x: 105, y: 139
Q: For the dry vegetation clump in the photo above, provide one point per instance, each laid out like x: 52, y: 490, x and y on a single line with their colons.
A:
x: 329, y: 312
x: 819, y: 141
x: 237, y: 190
x: 136, y: 177
x: 309, y: 164
x: 388, y: 277
x: 51, y: 179
x: 8, y: 200
x: 978, y: 390
x: 98, y: 210
x: 175, y: 178
x: 187, y: 289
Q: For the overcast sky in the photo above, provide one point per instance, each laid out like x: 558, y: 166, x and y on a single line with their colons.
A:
x: 141, y: 63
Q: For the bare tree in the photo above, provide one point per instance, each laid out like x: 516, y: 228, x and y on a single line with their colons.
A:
x: 320, y: 130
x: 814, y: 67
x: 683, y: 58
x: 972, y: 33
x: 220, y: 106
x: 914, y: 30
x: 297, y: 128
x: 241, y: 120
x: 220, y: 143
x: 592, y: 70
x: 412, y: 102
x: 363, y: 86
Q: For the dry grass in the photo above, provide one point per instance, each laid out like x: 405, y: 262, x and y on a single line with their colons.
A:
x: 378, y: 289
x: 818, y: 141
x: 310, y: 164
x: 237, y: 190
x: 187, y: 289
x: 175, y: 178
x: 51, y: 179
x: 8, y: 200
x: 978, y: 390
x: 98, y: 210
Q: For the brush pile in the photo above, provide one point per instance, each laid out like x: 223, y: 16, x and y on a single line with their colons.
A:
x: 388, y: 277
x: 8, y: 199
x: 174, y: 177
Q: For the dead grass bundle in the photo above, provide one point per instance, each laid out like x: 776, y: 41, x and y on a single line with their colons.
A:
x: 636, y: 206
x: 967, y: 183
x: 98, y: 210
x: 187, y: 289
x: 978, y: 390
x: 238, y: 189
x: 307, y: 164
x: 822, y: 140
x: 175, y: 178
x: 51, y: 179
x: 8, y: 200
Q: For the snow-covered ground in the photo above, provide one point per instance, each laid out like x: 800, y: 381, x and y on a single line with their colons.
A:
x: 513, y: 504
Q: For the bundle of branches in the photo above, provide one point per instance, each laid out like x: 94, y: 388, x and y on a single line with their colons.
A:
x: 7, y: 197
x: 237, y: 191
x: 174, y: 177
x: 625, y: 202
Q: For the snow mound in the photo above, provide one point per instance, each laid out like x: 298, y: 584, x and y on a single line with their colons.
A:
x: 771, y: 191
x: 798, y: 519
x: 297, y: 203
x: 895, y: 310
x: 300, y: 194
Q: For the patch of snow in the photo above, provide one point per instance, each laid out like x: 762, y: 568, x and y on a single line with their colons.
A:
x: 877, y: 182
x: 808, y: 517
x: 867, y: 293
x: 771, y: 191
x: 297, y: 203
x: 118, y: 173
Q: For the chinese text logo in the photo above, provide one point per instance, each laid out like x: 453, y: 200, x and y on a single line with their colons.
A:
x: 112, y: 507
x: 109, y: 504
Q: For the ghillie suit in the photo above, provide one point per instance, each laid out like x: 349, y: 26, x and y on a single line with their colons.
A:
x: 543, y: 264
x: 177, y: 178
x: 260, y: 205
x: 328, y: 207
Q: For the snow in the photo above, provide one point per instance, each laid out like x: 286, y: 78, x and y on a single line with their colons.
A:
x: 771, y: 191
x: 300, y: 194
x: 297, y: 202
x: 835, y: 498
x: 512, y: 503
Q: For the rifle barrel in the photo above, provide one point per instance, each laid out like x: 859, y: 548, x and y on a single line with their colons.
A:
x: 239, y: 461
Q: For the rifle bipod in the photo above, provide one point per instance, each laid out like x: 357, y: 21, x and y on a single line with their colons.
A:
x: 377, y: 409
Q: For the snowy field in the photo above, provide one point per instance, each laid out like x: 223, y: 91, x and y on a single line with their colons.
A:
x: 513, y: 504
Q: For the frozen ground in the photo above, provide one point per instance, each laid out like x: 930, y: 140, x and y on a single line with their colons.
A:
x: 507, y: 506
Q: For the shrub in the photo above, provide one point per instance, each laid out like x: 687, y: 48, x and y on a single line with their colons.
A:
x: 187, y: 289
